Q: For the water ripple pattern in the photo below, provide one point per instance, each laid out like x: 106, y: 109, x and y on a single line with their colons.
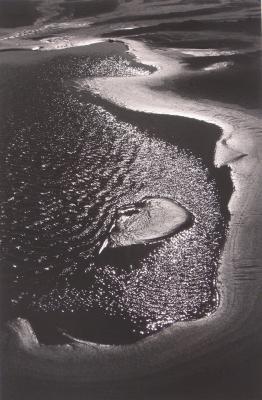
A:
x: 67, y: 172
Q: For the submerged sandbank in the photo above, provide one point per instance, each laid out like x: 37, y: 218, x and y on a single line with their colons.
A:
x: 186, y: 346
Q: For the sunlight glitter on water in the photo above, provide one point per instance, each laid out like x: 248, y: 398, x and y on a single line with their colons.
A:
x: 65, y: 185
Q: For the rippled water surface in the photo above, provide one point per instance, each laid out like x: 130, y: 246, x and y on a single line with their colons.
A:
x: 68, y: 165
x: 70, y: 160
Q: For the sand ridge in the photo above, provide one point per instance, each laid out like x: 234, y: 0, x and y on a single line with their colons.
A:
x: 191, y: 344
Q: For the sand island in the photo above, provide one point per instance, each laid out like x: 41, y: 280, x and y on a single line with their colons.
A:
x: 151, y: 219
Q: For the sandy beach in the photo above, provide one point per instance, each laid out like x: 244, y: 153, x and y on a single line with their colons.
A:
x: 185, y: 346
x: 217, y: 356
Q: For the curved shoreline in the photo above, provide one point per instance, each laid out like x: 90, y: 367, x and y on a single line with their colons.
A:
x: 195, y: 341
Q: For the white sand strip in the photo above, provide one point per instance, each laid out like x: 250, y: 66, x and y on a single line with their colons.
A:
x: 185, y: 346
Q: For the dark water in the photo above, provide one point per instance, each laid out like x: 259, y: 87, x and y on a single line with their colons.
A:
x: 14, y: 13
x: 240, y: 84
x: 68, y: 164
x: 252, y: 25
x: 69, y: 160
x: 236, y: 76
x: 80, y: 9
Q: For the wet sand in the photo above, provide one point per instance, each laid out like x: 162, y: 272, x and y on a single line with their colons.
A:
x: 180, y: 131
x: 216, y: 342
x: 216, y: 357
x: 147, y: 221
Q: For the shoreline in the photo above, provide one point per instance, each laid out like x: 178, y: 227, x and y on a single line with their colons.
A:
x: 195, y: 339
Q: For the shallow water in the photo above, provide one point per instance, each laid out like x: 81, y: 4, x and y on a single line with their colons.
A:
x: 68, y: 166
x: 15, y: 13
x: 70, y: 159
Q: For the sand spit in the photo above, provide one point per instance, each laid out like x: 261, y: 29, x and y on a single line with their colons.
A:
x: 186, y: 346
